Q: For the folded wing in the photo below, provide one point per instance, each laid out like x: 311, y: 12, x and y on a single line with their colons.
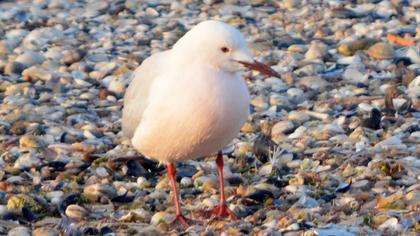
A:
x: 137, y: 94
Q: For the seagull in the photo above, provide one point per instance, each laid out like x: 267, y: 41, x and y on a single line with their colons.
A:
x: 190, y: 101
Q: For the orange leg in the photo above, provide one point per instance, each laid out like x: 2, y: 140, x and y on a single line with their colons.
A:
x: 172, y: 176
x: 222, y: 210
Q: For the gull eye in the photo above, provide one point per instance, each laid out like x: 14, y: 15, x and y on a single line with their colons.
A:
x: 224, y: 49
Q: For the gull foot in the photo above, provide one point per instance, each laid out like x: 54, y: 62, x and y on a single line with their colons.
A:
x: 184, y: 221
x: 222, y: 211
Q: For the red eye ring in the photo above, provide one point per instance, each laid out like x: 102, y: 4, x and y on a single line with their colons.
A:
x: 224, y: 49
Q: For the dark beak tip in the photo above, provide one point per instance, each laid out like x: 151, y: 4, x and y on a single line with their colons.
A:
x: 262, y: 68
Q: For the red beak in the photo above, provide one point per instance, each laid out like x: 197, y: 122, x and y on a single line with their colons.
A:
x: 261, y: 67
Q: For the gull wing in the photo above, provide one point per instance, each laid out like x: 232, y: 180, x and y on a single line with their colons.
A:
x: 137, y: 94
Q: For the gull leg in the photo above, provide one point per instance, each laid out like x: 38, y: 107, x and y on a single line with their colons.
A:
x: 222, y: 210
x: 172, y: 176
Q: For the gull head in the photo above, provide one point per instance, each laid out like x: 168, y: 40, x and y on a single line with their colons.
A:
x: 219, y: 45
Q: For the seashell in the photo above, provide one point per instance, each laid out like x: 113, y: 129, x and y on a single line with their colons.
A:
x: 186, y: 182
x: 350, y: 48
x: 96, y: 191
x: 317, y: 50
x: 162, y: 217
x: 391, y: 225
x: 76, y: 212
x: 136, y: 216
x: 381, y: 51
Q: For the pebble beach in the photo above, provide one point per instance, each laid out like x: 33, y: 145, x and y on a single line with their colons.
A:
x: 330, y: 148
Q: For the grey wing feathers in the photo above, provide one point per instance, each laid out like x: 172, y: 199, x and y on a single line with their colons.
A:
x: 136, y: 96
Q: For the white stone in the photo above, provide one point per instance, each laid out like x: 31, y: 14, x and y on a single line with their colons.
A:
x: 299, y: 132
x: 30, y: 58
x: 19, y: 231
x: 298, y: 117
x: 27, y: 160
x: 354, y: 76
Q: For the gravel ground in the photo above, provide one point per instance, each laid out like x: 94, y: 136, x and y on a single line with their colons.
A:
x: 332, y: 148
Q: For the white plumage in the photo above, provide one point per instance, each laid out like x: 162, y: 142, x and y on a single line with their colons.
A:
x: 189, y: 101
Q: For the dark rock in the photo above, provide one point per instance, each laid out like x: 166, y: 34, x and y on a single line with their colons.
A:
x: 374, y: 121
x: 344, y: 13
x: 19, y: 127
x: 262, y: 148
x: 185, y: 170
x: 135, y: 169
x: 285, y: 41
x: 189, y: 192
x: 343, y: 187
x: 10, y: 216
x: 106, y: 230
x: 412, y: 129
x: 123, y: 198
x: 57, y: 165
x: 28, y: 214
x: 90, y: 231
x: 260, y: 195
x: 235, y: 180
x: 402, y: 61
x: 244, y: 211
x: 14, y: 68
x: 73, y: 198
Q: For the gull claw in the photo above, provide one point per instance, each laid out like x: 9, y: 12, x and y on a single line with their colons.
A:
x: 219, y: 212
x: 184, y: 221
x: 223, y: 211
